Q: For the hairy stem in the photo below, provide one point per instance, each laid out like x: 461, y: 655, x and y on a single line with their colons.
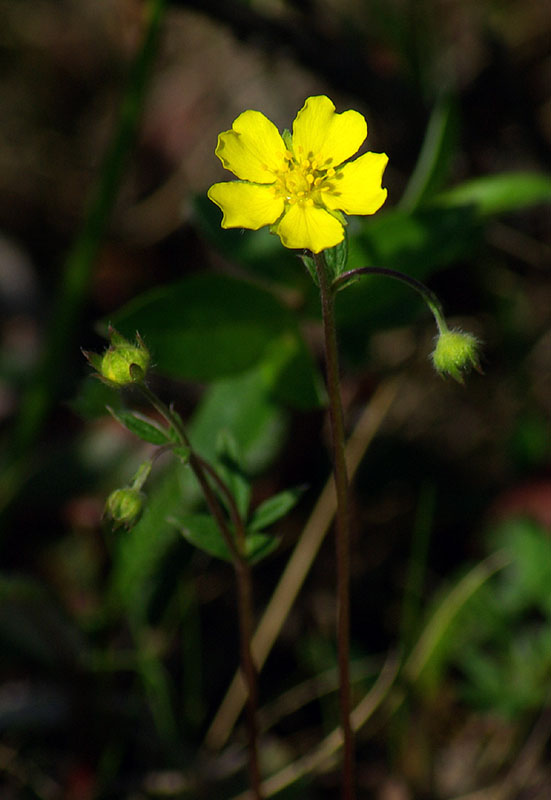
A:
x: 427, y: 294
x: 236, y: 542
x: 342, y: 523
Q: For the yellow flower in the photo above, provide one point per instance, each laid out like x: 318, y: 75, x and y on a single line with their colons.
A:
x: 300, y: 183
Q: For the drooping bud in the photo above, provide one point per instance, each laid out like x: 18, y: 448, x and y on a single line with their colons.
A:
x: 124, y: 506
x: 455, y: 353
x: 123, y: 362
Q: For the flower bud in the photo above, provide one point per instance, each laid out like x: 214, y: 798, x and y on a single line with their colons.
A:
x: 124, y: 506
x: 455, y: 352
x: 123, y: 362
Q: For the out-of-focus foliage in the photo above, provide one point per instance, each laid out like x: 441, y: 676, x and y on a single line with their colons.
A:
x: 116, y: 647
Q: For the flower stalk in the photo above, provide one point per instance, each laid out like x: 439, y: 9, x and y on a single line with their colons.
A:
x: 236, y: 543
x: 456, y: 352
x: 342, y: 539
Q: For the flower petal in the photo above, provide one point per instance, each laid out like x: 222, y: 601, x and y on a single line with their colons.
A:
x: 329, y: 137
x: 246, y: 205
x: 253, y: 149
x: 309, y: 227
x: 358, y: 185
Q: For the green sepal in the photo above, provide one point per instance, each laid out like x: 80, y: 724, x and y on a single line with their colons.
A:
x: 336, y: 257
x: 310, y: 265
x: 287, y: 137
x: 124, y: 507
x: 143, y: 427
x: 274, y: 508
x: 94, y: 359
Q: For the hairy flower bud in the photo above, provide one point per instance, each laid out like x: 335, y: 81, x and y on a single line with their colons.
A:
x: 123, y: 362
x: 124, y: 506
x: 455, y: 352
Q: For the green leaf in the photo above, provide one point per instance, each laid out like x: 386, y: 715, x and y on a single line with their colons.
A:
x: 207, y: 326
x: 291, y: 375
x: 241, y: 404
x: 496, y: 194
x: 201, y: 531
x: 274, y: 508
x: 143, y: 427
x: 231, y: 470
x: 260, y: 545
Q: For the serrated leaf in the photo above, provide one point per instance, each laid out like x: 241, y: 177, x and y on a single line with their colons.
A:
x: 274, y: 508
x: 143, y: 427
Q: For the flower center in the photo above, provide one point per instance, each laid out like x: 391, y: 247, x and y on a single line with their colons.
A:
x: 303, y: 180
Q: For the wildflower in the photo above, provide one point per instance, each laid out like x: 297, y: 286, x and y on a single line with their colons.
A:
x: 455, y: 352
x: 123, y: 362
x: 299, y: 184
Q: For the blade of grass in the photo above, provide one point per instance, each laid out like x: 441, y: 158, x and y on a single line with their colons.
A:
x: 299, y: 564
x: 447, y: 611
x: 436, y: 153
x: 321, y: 757
x: 42, y: 390
x: 417, y: 566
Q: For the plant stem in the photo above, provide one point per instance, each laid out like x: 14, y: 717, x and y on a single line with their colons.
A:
x: 246, y: 628
x: 236, y: 542
x: 427, y: 294
x: 342, y: 523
